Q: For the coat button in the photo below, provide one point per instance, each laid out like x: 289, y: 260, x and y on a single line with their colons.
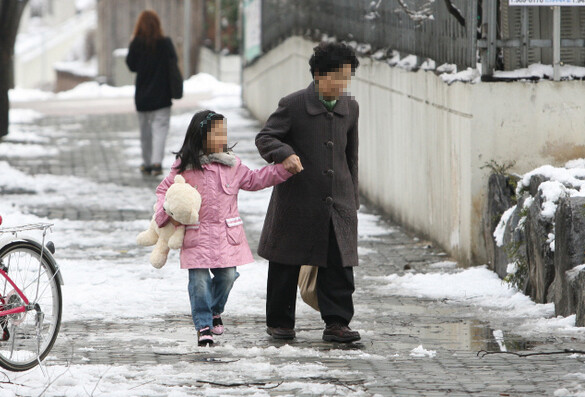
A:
x: 329, y: 144
x: 329, y: 116
x: 329, y: 200
x: 227, y: 185
x: 330, y: 173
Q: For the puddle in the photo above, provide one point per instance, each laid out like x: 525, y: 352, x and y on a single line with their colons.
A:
x: 410, y: 322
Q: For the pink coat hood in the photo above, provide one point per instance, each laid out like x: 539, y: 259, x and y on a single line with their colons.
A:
x: 219, y: 239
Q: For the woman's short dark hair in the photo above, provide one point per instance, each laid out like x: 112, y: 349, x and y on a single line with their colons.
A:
x: 196, y: 139
x: 331, y: 56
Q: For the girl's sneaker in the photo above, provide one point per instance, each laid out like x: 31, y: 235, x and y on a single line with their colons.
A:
x: 217, y: 325
x: 204, y: 337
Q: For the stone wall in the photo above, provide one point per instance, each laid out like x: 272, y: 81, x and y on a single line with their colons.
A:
x: 542, y: 255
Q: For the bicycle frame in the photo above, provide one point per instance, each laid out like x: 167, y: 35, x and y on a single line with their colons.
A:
x: 19, y: 309
x: 27, y: 306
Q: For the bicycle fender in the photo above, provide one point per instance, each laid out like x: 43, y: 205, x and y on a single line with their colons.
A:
x: 46, y: 253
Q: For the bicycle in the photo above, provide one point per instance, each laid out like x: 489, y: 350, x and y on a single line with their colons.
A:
x: 30, y: 297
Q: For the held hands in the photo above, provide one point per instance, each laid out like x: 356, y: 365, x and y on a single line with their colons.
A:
x: 293, y: 164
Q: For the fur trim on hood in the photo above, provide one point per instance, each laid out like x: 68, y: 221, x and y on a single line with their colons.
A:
x: 225, y: 158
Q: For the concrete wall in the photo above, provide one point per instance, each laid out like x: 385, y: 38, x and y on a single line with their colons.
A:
x: 37, y: 52
x: 422, y: 142
x: 226, y: 68
x: 116, y: 21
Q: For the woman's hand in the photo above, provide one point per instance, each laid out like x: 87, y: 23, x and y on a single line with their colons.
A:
x: 174, y: 222
x: 293, y: 164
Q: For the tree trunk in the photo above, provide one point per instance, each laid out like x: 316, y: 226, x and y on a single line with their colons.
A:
x: 10, y: 13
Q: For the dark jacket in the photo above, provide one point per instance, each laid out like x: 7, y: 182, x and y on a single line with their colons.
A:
x: 152, y: 73
x: 296, y: 228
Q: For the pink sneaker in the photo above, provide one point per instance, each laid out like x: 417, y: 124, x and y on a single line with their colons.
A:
x: 217, y: 325
x: 204, y: 337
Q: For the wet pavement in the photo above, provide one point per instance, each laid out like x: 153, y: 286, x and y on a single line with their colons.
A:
x: 380, y: 364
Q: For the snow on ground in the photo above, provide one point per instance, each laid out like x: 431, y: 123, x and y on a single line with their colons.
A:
x: 477, y: 286
x: 481, y: 288
x: 420, y: 352
x: 197, y: 84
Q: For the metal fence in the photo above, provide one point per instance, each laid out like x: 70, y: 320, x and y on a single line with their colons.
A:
x: 446, y: 38
x: 447, y: 31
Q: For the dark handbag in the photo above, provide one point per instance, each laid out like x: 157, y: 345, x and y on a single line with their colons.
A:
x: 175, y: 79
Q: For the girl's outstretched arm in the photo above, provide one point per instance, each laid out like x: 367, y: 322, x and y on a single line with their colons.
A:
x: 261, y: 178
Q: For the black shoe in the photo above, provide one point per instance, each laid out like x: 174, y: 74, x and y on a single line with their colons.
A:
x: 145, y: 169
x: 204, y: 337
x: 156, y: 169
x: 340, y: 333
x: 281, y: 333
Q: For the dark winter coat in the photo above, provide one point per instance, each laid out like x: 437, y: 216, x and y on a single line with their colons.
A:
x: 152, y: 73
x: 296, y: 228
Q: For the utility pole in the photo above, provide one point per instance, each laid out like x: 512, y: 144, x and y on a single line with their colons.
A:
x: 10, y: 13
x: 557, y: 43
x: 187, y: 40
x: 218, y: 37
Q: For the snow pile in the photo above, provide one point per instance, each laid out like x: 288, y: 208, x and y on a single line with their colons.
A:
x: 499, y: 337
x: 201, y: 83
x: 59, y: 190
x: 468, y: 75
x: 82, y: 5
x: 421, y: 352
x: 540, y: 71
x: 501, y: 228
x: 477, y: 286
x: 567, y: 181
x: 575, y: 388
x: 443, y: 265
x: 481, y: 288
x: 18, y: 116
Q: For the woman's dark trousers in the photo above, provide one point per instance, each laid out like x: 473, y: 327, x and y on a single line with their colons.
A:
x: 335, y: 286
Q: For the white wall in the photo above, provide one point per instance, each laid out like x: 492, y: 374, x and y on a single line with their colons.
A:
x: 228, y: 70
x: 422, y: 142
x: 37, y: 50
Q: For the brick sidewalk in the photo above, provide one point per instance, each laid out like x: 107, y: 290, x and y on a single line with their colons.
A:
x: 395, y: 325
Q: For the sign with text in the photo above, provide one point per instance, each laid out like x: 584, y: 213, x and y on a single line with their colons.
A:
x: 252, y: 29
x: 548, y: 3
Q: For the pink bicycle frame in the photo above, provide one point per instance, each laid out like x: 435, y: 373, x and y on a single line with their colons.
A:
x: 19, y: 309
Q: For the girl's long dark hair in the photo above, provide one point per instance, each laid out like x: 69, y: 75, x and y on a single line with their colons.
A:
x: 195, y: 140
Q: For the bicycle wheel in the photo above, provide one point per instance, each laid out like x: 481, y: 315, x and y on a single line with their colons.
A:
x: 29, y: 336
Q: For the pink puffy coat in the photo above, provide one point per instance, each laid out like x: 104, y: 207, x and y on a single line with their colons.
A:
x: 219, y: 239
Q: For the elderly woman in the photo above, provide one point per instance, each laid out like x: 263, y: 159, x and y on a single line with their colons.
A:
x: 312, y: 217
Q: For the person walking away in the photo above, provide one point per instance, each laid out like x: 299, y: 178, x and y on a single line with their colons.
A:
x: 149, y: 55
x: 218, y: 243
x: 312, y: 217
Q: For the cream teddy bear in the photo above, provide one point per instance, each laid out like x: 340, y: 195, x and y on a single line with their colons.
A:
x: 182, y: 203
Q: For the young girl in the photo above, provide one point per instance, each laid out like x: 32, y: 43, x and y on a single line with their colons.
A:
x: 218, y: 243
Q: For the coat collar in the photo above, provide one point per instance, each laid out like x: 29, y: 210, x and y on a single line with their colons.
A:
x: 228, y: 158
x: 314, y: 105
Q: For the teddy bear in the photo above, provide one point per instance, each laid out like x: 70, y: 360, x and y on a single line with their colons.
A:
x: 182, y: 203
